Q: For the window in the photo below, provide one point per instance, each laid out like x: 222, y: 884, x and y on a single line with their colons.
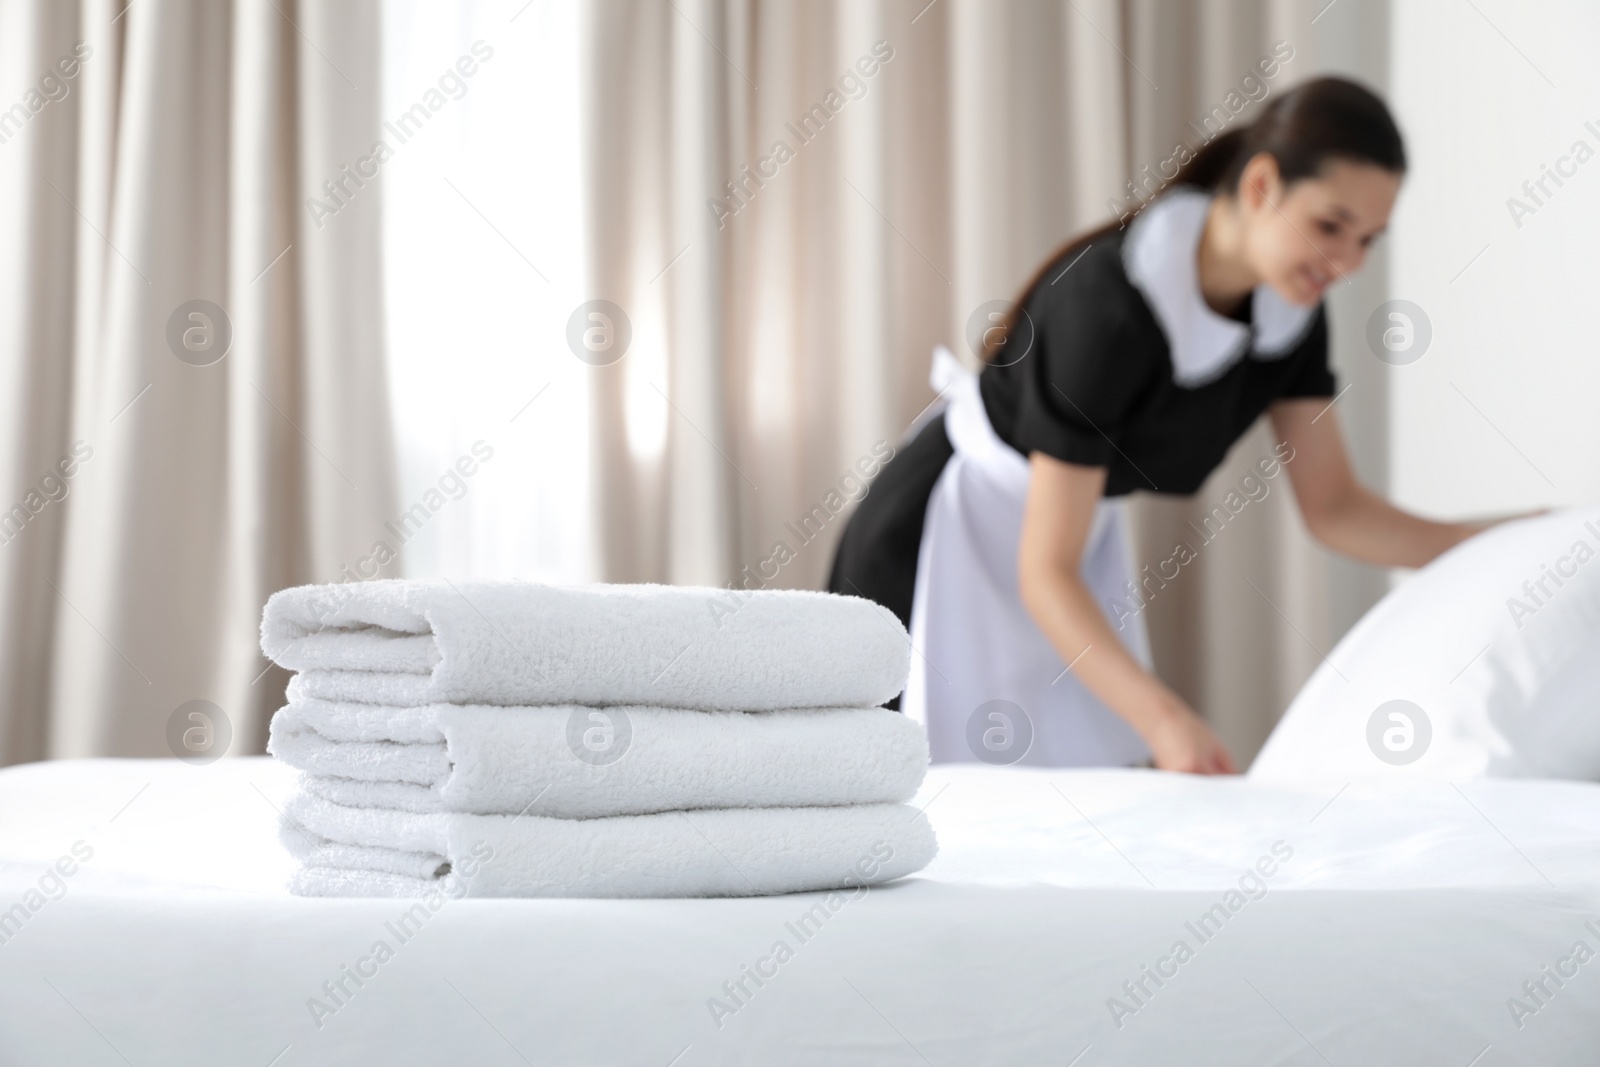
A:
x: 483, y: 262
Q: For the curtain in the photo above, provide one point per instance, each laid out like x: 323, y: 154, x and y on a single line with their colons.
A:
x: 191, y: 354
x: 792, y: 203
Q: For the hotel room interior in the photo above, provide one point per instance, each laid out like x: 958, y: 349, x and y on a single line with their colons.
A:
x: 545, y: 348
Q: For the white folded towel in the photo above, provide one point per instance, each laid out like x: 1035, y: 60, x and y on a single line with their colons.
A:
x: 582, y: 762
x: 712, y: 853
x: 402, y: 642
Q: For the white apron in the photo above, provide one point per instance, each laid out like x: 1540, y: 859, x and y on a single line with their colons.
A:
x: 985, y: 681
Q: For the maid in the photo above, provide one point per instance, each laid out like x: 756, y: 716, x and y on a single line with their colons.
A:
x: 1133, y: 361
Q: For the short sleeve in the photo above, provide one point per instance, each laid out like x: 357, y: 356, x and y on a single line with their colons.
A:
x: 1311, y: 375
x: 1084, y: 383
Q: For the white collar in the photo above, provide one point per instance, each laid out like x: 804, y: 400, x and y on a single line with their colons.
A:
x: 1159, y: 255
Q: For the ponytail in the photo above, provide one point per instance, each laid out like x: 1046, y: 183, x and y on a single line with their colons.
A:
x: 1303, y: 130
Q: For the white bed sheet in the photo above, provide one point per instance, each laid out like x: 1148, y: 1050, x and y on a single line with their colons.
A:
x: 1396, y: 933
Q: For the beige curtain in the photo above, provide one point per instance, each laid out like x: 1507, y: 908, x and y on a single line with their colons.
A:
x: 782, y: 324
x: 174, y: 164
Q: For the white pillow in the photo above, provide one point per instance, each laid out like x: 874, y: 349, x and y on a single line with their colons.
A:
x: 1497, y: 642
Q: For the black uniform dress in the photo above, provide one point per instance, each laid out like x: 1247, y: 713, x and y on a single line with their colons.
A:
x: 1095, y: 386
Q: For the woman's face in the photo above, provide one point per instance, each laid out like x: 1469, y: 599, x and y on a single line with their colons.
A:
x: 1303, y: 237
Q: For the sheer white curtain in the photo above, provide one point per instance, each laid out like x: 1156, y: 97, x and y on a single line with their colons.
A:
x: 483, y: 262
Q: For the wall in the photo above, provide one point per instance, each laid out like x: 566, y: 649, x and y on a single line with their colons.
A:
x: 1500, y: 411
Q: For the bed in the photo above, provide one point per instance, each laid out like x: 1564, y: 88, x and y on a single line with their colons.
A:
x: 1368, y: 923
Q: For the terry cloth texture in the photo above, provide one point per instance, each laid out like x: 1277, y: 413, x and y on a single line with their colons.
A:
x: 713, y: 853
x: 491, y: 760
x: 515, y: 739
x: 512, y: 643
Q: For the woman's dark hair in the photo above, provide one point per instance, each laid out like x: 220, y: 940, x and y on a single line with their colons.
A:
x: 1303, y: 129
x: 1319, y: 120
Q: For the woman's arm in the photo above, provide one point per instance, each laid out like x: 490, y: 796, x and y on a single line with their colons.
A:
x: 1342, y: 513
x: 1055, y: 527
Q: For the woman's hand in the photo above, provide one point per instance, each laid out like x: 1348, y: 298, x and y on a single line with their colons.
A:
x: 1180, y: 740
x: 1477, y: 526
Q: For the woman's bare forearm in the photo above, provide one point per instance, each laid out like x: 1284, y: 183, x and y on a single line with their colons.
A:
x: 1062, y: 500
x: 1366, y: 527
x: 1064, y: 609
x: 1341, y: 512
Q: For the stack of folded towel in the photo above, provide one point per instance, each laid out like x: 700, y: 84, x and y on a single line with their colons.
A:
x: 515, y: 739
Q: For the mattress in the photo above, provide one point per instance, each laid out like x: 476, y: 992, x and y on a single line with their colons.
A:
x: 1072, y: 918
